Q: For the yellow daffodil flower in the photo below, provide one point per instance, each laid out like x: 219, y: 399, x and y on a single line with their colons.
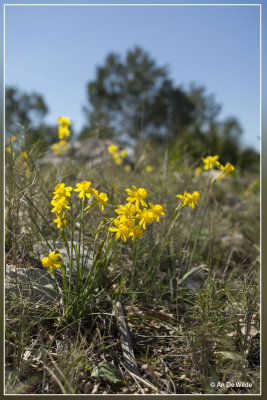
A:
x: 211, y: 162
x: 8, y: 149
x: 122, y: 230
x: 63, y: 132
x: 128, y: 210
x: 118, y: 161
x: 227, y: 169
x: 63, y: 144
x: 127, y: 168
x: 64, y: 121
x: 13, y: 139
x: 56, y: 149
x: 123, y: 153
x: 136, y: 232
x: 84, y: 189
x: 60, y: 220
x: 148, y: 168
x: 145, y: 216
x: 189, y: 199
x: 51, y: 261
x: 62, y: 191
x: 137, y: 196
x: 24, y: 155
x: 59, y: 204
x: 101, y: 198
x: 116, y: 158
x: 157, y: 210
x: 112, y: 148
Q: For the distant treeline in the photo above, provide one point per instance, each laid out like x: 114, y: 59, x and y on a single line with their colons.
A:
x: 133, y: 100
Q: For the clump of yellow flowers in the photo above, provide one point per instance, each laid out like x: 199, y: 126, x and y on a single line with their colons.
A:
x: 132, y: 218
x: 63, y: 134
x: 62, y: 194
x: 61, y: 203
x: 116, y: 154
x: 212, y: 162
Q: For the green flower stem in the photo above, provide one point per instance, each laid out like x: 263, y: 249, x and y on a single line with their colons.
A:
x: 165, y: 237
x: 79, y: 270
x: 136, y: 253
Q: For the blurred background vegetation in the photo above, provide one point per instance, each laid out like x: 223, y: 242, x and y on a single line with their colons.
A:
x: 131, y: 101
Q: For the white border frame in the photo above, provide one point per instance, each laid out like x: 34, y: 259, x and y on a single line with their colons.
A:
x: 260, y: 72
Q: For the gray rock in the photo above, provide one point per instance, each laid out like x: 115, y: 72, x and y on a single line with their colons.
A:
x: 93, y: 150
x: 34, y: 283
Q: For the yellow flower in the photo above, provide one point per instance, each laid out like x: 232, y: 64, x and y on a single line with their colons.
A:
x: 24, y: 155
x: 8, y: 149
x: 118, y: 161
x: 101, y: 198
x: 227, y: 169
x: 136, y: 232
x: 128, y: 221
x: 62, y: 191
x: 198, y: 171
x: 122, y: 230
x: 148, y: 168
x: 157, y: 210
x: 60, y: 220
x: 51, y: 261
x: 64, y: 121
x: 84, y: 189
x: 211, y: 162
x: 128, y: 210
x: 63, y: 132
x: 145, y: 216
x: 56, y: 149
x: 117, y: 158
x: 13, y: 139
x: 123, y: 153
x: 112, y: 148
x: 137, y: 195
x: 63, y: 144
x: 189, y: 199
x: 127, y: 168
x: 59, y: 204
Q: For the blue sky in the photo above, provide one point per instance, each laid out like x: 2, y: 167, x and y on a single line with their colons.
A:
x: 54, y: 50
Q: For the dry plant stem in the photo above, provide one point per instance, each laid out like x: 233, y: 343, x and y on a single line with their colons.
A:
x: 126, y: 343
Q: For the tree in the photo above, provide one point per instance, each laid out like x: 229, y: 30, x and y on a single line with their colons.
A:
x: 133, y: 96
x: 28, y: 111
x: 205, y: 109
x: 23, y: 108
